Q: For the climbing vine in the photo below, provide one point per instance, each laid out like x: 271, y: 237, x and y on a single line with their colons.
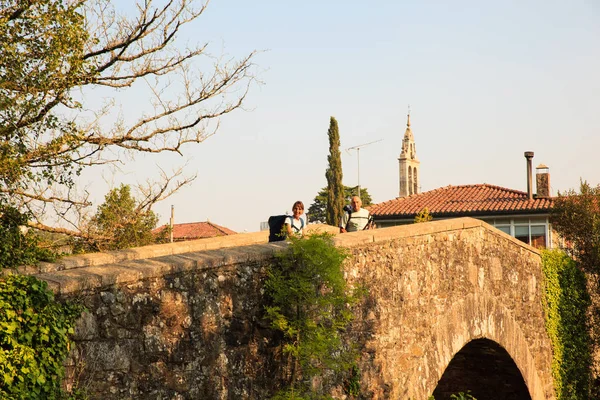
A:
x: 310, y: 305
x: 566, y: 303
x: 34, y: 327
x: 34, y: 338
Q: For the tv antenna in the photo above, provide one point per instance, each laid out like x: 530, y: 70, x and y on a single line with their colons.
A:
x: 357, y: 148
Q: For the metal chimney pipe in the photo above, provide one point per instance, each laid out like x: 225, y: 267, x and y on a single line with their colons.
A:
x: 529, y: 157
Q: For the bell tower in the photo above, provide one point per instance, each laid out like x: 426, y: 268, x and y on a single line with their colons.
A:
x: 409, y: 165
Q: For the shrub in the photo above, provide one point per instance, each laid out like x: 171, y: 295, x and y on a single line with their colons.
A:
x: 310, y: 305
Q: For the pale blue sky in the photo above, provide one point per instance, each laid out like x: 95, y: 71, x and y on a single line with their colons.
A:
x: 486, y: 81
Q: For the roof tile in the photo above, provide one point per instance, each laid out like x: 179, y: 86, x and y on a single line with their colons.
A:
x: 463, y: 199
x: 196, y: 230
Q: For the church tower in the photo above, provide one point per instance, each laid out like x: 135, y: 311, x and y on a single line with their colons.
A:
x: 409, y: 165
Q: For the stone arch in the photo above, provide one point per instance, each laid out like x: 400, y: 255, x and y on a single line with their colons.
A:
x: 484, y: 369
x: 476, y: 316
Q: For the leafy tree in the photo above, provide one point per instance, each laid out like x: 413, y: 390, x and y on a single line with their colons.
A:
x: 335, y: 189
x: 423, y: 216
x: 122, y: 222
x: 18, y: 245
x: 310, y: 306
x: 317, y: 210
x: 576, y: 218
x: 58, y: 55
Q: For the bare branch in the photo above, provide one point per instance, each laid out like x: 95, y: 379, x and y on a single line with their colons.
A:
x: 49, y: 136
x: 154, y: 192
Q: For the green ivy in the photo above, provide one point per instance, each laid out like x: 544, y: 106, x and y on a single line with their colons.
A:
x: 34, y: 339
x: 566, y: 304
x: 310, y: 304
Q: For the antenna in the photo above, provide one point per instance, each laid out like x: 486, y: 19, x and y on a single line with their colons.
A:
x: 357, y: 148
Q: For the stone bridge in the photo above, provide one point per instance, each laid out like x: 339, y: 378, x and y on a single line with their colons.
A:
x: 453, y: 305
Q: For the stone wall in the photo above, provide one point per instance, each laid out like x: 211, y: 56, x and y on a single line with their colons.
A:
x: 434, y: 288
x: 192, y: 332
x: 186, y: 322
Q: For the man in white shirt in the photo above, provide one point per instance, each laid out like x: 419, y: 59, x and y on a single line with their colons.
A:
x: 357, y: 220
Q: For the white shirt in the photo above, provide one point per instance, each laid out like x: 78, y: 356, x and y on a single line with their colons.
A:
x: 358, y: 220
x: 296, y: 224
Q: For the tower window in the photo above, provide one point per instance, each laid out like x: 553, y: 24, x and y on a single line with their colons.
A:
x: 416, y: 182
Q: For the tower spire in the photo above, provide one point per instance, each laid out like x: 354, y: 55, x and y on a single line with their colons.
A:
x: 409, y: 164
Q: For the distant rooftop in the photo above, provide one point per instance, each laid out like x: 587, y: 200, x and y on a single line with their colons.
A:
x: 463, y: 200
x: 196, y: 230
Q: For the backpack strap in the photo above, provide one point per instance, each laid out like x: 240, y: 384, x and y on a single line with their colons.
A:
x: 349, y: 216
x: 369, y: 223
x: 301, y: 224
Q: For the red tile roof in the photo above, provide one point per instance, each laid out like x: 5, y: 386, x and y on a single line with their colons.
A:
x: 463, y: 200
x: 196, y: 230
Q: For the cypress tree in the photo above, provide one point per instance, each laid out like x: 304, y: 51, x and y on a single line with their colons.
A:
x: 335, y: 189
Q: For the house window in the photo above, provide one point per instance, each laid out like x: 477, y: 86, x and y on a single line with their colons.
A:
x: 533, y: 231
x: 415, y: 183
x: 538, y: 236
x: 522, y: 233
x: 504, y: 228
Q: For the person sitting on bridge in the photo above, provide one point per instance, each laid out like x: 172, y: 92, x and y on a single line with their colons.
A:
x: 355, y: 219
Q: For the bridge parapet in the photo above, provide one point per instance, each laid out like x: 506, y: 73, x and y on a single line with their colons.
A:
x: 186, y: 322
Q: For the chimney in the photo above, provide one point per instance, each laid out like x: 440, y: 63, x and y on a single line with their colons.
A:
x: 542, y: 181
x: 529, y: 156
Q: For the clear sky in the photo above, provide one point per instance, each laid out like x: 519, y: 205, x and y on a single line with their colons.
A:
x: 486, y: 81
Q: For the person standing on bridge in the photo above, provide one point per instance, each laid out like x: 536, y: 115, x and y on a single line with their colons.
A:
x: 356, y: 219
x: 296, y: 223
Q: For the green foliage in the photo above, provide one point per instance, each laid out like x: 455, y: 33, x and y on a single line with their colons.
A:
x: 458, y: 396
x: 566, y: 303
x: 310, y: 305
x: 34, y: 339
x: 462, y: 396
x: 121, y: 223
x: 54, y: 53
x: 576, y: 217
x: 41, y: 56
x: 18, y: 245
x: 423, y: 216
x: 352, y: 384
x: 317, y: 210
x: 34, y: 328
x: 335, y: 189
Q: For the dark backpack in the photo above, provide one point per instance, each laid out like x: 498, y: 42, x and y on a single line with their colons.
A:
x: 276, y: 227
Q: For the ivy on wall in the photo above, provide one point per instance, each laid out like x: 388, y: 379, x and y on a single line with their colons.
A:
x: 34, y: 339
x: 310, y: 305
x: 34, y: 327
x: 566, y: 303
